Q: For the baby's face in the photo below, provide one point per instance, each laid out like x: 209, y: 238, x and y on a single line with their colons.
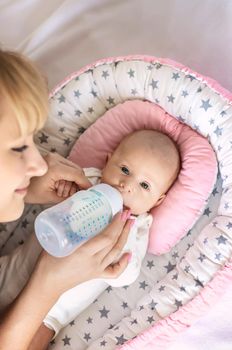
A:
x: 138, y: 175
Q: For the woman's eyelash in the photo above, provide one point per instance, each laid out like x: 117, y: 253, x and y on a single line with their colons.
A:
x: 20, y: 149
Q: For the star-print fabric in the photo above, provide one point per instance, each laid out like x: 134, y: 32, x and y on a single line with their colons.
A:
x: 169, y: 281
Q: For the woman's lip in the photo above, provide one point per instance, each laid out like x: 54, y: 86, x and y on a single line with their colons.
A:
x: 21, y: 190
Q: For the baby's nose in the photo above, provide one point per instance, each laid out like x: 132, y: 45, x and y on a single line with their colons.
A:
x: 126, y: 185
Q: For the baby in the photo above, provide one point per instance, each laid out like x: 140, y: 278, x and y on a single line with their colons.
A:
x: 142, y: 168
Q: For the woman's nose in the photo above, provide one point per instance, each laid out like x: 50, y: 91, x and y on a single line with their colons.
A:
x: 36, y: 165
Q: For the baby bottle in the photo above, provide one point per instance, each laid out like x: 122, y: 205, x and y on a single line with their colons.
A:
x: 63, y: 227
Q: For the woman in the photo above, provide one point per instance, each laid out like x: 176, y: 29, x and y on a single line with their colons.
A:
x: 26, y: 177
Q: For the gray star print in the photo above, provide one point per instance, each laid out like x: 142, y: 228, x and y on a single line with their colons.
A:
x: 221, y: 240
x: 207, y: 212
x: 205, y: 104
x: 103, y: 343
x: 90, y: 110
x: 89, y: 320
x: 175, y: 76
x: 150, y: 264
x: 218, y: 256
x: 158, y: 65
x: 78, y: 112
x: 223, y: 113
x: 121, y: 340
x: 67, y: 141
x: 110, y: 100
x: 105, y: 74
x: 229, y: 225
x: 124, y: 305
x: 81, y: 130
x: 94, y: 93
x: 202, y: 257
x: 171, y: 98
x: 169, y: 267
x: 152, y: 305
x: 178, y: 303
x: 215, y: 191
x: 218, y: 131
x: 24, y: 223
x: 104, y: 312
x: 61, y: 99
x: 87, y: 336
x: 134, y: 321
x: 154, y: 84
x: 66, y: 340
x: 43, y: 138
x: 150, y: 319
x: 184, y: 93
x: 182, y: 120
x: 143, y: 285
x: 191, y: 77
x: 175, y: 277
x: 77, y: 93
x: 131, y: 73
x: 198, y: 282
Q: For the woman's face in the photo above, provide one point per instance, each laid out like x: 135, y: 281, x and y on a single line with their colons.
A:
x: 19, y: 162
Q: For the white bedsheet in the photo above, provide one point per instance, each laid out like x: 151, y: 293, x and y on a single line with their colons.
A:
x: 64, y: 35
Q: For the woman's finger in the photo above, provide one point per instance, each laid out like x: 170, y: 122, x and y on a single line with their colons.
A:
x: 107, y: 238
x: 73, y: 174
x: 113, y: 254
x: 114, y: 270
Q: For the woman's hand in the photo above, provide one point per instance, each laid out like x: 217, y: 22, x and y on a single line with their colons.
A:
x: 43, y: 189
x: 53, y: 276
x: 96, y: 258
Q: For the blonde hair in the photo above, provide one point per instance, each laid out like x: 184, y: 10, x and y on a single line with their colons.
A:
x: 25, y: 89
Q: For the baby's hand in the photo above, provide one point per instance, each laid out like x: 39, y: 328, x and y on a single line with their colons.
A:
x: 65, y: 188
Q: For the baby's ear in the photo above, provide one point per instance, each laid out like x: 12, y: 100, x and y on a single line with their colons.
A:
x: 160, y: 200
x: 108, y: 156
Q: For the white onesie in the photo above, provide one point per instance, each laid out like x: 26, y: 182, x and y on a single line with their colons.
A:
x: 75, y: 300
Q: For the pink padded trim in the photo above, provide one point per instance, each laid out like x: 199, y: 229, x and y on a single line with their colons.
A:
x: 214, y: 85
x: 186, y: 199
x: 164, y: 331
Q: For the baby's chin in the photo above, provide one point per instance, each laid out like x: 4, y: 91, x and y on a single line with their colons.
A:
x: 133, y: 211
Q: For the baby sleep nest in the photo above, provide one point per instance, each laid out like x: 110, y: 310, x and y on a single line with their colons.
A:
x: 176, y: 287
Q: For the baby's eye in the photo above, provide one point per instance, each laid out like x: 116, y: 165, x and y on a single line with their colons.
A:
x: 125, y: 170
x: 145, y: 185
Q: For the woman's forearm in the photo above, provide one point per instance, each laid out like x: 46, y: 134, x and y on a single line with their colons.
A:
x: 24, y: 317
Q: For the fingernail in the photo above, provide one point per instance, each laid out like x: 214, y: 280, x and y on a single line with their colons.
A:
x: 129, y: 257
x: 132, y: 221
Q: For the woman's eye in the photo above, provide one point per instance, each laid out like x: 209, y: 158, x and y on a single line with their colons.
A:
x: 144, y: 185
x: 20, y: 149
x: 125, y: 170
